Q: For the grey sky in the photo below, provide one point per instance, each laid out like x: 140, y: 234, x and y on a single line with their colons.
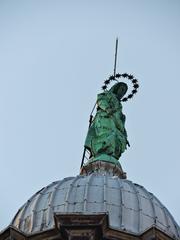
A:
x: 54, y: 56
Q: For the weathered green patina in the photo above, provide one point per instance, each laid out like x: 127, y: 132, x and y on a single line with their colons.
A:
x: 107, y: 138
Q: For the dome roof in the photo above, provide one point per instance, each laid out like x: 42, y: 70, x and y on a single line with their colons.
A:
x: 130, y: 207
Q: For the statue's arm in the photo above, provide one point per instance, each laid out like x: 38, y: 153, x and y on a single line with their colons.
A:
x: 104, y: 103
x: 125, y: 132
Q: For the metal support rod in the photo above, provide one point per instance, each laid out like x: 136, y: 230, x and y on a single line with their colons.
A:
x: 82, y: 162
x: 115, y: 58
x: 90, y: 121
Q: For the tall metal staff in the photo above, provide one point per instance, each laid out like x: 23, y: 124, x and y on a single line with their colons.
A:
x: 115, y: 57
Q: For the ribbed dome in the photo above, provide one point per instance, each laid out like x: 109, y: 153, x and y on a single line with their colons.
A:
x: 130, y: 206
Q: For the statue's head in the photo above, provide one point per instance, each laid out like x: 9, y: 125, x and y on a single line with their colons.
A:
x: 119, y: 89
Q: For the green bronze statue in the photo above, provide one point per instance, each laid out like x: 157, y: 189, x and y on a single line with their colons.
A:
x: 107, y: 137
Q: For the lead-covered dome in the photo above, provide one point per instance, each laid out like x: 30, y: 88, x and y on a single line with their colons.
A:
x: 130, y: 207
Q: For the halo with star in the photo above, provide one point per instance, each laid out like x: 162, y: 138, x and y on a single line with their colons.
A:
x: 127, y: 76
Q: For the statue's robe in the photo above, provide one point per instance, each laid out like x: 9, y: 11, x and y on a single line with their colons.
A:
x: 107, y: 134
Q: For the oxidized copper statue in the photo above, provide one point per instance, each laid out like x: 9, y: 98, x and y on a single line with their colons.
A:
x: 107, y: 138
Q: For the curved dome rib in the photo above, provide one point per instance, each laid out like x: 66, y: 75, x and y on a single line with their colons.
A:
x: 133, y: 186
x: 120, y: 208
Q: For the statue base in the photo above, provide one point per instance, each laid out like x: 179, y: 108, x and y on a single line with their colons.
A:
x: 104, y: 167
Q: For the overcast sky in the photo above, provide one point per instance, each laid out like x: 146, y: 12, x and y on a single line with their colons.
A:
x: 54, y: 57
